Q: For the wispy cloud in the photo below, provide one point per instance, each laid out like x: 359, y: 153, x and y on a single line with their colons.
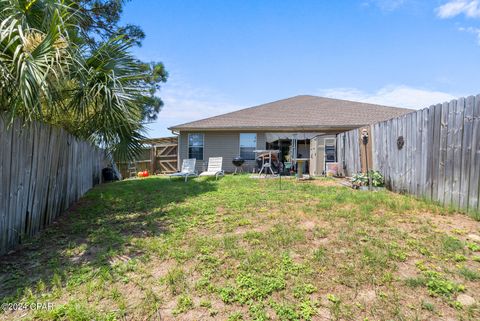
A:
x: 185, y: 103
x: 472, y: 30
x: 399, y: 96
x: 469, y: 8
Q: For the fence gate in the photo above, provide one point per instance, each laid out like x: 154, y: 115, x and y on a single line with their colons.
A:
x: 165, y: 151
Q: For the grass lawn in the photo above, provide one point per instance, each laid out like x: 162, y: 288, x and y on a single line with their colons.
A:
x: 242, y: 249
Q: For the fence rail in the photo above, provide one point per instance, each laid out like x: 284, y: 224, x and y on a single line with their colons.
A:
x: 43, y: 170
x: 440, y: 156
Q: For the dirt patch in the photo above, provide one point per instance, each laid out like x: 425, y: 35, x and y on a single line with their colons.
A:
x: 367, y: 296
x: 160, y: 268
x: 320, y: 242
x: 308, y: 225
x: 460, y: 223
x: 245, y: 229
x: 327, y: 182
x: 406, y: 270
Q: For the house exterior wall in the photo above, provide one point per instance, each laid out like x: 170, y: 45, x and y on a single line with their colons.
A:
x: 317, y: 153
x: 226, y: 144
x: 219, y: 144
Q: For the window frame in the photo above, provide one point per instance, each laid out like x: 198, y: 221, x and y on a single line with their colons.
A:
x: 203, y: 146
x: 330, y: 147
x: 240, y: 146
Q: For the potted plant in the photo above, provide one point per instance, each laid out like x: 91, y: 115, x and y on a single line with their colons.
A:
x: 377, y: 180
x: 360, y: 181
x: 374, y: 180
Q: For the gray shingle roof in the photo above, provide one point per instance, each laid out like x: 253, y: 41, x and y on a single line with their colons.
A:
x: 299, y: 112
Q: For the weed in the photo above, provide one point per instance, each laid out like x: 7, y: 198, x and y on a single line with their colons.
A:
x: 235, y: 316
x: 459, y: 258
x: 451, y: 244
x: 333, y: 298
x: 319, y: 255
x: 428, y: 306
x: 473, y: 247
x: 184, y: 303
x: 176, y: 281
x: 206, y: 304
x: 416, y: 282
x: 468, y: 274
x: 252, y: 287
x: 307, y: 309
x: 258, y: 312
x: 285, y: 311
x: 438, y: 285
x: 302, y: 290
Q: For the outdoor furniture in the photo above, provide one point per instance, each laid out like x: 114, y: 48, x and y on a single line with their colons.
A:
x: 267, y: 156
x: 214, y: 167
x: 188, y: 169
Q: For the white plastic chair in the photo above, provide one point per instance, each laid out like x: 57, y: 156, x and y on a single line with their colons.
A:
x: 188, y: 169
x: 214, y: 167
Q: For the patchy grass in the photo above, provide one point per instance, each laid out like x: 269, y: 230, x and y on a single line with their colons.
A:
x: 244, y: 249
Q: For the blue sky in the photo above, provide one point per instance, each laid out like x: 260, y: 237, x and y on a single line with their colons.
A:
x: 227, y: 55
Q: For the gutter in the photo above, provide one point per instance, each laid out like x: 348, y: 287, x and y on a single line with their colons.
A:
x: 263, y: 129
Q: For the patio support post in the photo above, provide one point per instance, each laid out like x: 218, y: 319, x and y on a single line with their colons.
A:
x: 365, y: 143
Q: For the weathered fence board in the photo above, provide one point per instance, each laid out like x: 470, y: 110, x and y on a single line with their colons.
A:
x: 466, y: 151
x: 473, y: 201
x: 440, y: 158
x: 442, y: 153
x: 437, y: 113
x: 43, y: 170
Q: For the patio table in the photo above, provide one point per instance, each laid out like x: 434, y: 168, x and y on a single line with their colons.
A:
x: 266, y: 166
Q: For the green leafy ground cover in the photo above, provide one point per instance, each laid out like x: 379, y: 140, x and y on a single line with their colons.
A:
x: 244, y: 249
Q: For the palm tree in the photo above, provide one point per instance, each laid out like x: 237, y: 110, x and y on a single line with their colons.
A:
x: 49, y: 72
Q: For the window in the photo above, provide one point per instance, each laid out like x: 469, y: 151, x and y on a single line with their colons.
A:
x: 195, y: 146
x: 330, y: 154
x: 248, y: 143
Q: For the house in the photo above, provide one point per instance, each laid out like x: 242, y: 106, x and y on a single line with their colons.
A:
x: 303, y: 124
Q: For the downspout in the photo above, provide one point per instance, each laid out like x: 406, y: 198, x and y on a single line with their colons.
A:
x: 178, y: 147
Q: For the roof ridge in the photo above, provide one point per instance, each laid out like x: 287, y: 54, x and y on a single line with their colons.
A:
x: 302, y: 101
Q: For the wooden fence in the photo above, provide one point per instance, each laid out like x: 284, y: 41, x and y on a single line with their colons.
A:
x: 160, y: 157
x: 43, y: 170
x: 432, y: 153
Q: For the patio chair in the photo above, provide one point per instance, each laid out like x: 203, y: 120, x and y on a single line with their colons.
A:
x: 214, y: 167
x: 188, y: 169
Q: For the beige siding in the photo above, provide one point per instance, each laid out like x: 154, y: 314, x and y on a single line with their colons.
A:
x: 182, y: 148
x: 224, y: 144
x: 227, y: 145
x: 216, y: 144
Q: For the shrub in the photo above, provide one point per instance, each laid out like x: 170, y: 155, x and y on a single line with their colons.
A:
x: 362, y: 179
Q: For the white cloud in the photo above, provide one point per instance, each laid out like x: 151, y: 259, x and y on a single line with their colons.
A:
x: 475, y: 31
x: 184, y: 103
x: 470, y: 8
x: 399, y: 96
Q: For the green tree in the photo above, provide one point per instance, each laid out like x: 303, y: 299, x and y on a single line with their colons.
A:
x: 52, y: 70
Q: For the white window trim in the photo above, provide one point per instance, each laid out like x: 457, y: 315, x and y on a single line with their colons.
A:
x: 203, y: 146
x: 239, y: 147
